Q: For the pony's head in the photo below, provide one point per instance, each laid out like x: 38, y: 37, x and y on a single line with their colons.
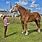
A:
x: 15, y: 8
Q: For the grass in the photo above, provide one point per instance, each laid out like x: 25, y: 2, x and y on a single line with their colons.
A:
x: 14, y: 32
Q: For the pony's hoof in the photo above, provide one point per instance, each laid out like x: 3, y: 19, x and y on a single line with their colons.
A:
x: 26, y: 33
x: 39, y: 30
x: 22, y: 32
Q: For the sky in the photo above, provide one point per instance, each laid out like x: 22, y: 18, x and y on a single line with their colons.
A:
x: 34, y: 5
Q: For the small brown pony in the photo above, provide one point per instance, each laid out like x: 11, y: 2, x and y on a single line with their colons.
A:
x: 26, y: 17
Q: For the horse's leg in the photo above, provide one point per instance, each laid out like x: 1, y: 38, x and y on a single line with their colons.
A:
x: 38, y: 24
x: 22, y: 27
x: 25, y: 24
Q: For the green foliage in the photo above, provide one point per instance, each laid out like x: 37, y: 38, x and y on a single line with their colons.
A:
x: 29, y: 10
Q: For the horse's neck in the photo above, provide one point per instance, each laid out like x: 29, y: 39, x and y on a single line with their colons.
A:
x: 23, y: 11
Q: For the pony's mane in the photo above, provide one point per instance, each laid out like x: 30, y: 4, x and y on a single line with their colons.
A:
x: 23, y: 8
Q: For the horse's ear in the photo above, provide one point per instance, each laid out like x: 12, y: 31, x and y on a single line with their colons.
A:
x: 16, y: 4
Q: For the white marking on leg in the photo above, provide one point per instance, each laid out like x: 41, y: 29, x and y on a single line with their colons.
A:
x: 22, y: 32
x: 39, y: 30
x: 26, y: 33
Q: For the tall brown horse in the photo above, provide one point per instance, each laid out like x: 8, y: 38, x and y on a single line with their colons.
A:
x: 26, y: 16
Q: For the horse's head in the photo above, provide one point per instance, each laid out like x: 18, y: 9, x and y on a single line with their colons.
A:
x: 15, y: 8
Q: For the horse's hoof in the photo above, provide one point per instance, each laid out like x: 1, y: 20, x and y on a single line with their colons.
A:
x: 22, y: 32
x: 26, y: 33
x: 39, y: 30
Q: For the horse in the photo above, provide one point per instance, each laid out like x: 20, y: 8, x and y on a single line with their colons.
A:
x: 26, y: 17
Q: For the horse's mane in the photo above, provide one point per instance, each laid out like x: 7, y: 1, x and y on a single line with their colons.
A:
x: 23, y: 8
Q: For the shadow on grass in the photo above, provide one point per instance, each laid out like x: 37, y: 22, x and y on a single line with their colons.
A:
x: 11, y: 34
x: 31, y: 31
x: 41, y: 30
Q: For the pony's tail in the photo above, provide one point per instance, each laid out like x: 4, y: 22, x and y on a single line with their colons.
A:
x: 39, y: 16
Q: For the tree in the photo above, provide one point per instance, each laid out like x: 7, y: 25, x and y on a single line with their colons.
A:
x: 29, y: 10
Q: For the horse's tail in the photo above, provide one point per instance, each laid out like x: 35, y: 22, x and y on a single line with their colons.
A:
x: 38, y: 21
x: 39, y: 18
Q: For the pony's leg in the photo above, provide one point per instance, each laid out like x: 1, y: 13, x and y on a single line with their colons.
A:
x: 38, y: 25
x: 22, y: 27
x: 26, y: 29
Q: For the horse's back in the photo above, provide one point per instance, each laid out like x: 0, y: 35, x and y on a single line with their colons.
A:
x: 36, y: 15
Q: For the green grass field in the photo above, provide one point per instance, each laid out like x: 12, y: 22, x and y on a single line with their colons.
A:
x: 15, y: 29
